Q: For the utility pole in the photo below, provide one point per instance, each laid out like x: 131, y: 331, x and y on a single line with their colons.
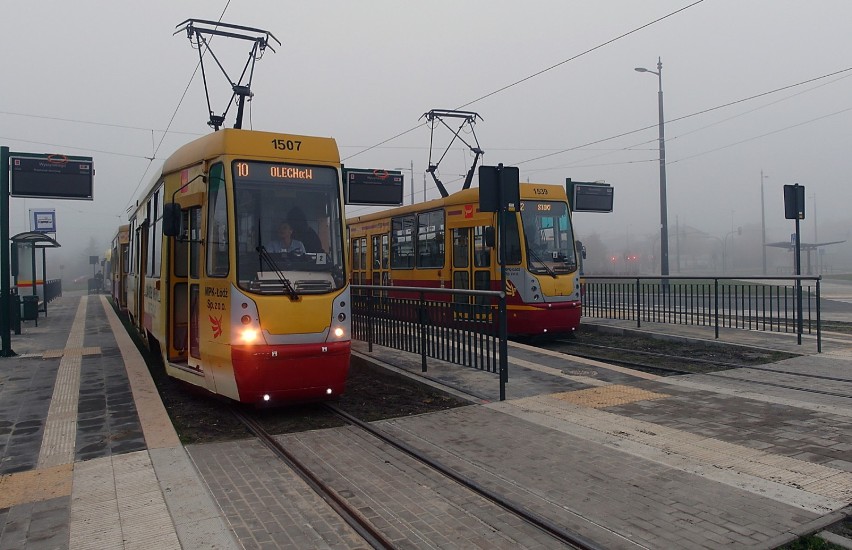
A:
x: 763, y: 220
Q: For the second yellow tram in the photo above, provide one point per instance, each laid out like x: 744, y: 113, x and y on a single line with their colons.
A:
x: 448, y: 243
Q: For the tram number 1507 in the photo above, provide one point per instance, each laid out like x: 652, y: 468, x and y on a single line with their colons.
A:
x: 286, y: 144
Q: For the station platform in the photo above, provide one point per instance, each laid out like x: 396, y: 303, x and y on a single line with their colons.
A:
x: 88, y: 455
x: 89, y: 459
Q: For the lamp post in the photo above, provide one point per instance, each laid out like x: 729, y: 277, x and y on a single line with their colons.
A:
x: 411, y: 169
x: 739, y: 231
x: 664, y: 224
x: 763, y: 219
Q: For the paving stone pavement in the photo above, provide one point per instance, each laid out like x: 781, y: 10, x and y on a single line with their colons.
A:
x: 88, y: 459
x: 740, y: 459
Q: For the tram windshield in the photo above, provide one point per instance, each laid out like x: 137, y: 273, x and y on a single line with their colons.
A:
x: 288, y: 228
x: 548, y: 236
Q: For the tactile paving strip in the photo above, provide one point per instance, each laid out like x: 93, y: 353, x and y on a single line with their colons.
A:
x: 35, y: 485
x: 55, y: 353
x: 608, y: 396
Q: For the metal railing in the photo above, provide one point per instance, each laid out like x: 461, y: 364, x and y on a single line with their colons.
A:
x: 52, y: 290
x: 465, y: 327
x: 749, y: 303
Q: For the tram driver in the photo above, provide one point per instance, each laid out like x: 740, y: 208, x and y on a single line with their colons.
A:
x: 285, y: 241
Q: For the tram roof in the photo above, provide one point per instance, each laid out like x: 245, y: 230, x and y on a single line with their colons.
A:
x: 459, y: 197
x: 249, y: 143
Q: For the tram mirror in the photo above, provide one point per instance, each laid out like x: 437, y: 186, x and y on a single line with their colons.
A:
x: 171, y: 219
x: 489, y: 237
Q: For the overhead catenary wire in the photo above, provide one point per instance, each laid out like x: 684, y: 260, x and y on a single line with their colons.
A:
x: 529, y: 77
x: 383, y: 143
x: 577, y: 163
x: 132, y: 198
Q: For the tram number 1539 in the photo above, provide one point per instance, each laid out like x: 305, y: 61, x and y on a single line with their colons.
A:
x: 286, y: 144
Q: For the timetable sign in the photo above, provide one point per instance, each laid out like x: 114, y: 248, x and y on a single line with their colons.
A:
x: 51, y: 176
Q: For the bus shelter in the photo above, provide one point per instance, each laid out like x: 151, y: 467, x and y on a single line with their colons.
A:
x: 24, y: 247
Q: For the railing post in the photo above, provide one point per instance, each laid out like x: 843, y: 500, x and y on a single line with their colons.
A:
x: 819, y: 321
x: 799, y: 309
x: 716, y: 305
x: 638, y: 303
x: 370, y: 317
x: 422, y: 324
x: 504, y: 348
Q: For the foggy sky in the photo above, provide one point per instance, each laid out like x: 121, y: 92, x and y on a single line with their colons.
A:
x: 104, y: 79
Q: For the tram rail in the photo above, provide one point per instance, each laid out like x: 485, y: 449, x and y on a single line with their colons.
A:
x: 362, y: 525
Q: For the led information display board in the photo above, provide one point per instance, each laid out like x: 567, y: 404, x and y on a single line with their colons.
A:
x: 51, y: 176
x: 589, y: 197
x: 373, y: 187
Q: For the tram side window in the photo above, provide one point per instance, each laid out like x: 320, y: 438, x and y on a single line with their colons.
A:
x: 430, y: 239
x: 158, y: 232
x: 402, y: 242
x: 217, y: 224
x: 460, y: 248
x: 385, y: 252
x: 513, y: 241
x: 149, y: 259
x: 358, y: 266
x: 131, y: 247
x: 362, y: 260
x: 377, y: 252
x: 482, y: 254
x: 356, y: 255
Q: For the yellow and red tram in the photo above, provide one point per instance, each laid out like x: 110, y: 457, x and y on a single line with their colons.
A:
x: 226, y: 310
x: 449, y: 243
x: 117, y: 272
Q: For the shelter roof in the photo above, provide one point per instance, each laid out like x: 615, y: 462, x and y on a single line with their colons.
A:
x: 36, y: 238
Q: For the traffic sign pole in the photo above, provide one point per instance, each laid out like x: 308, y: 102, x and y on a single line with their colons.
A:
x: 5, y: 298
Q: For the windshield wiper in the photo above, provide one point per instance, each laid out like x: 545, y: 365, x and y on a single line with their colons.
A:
x: 264, y: 256
x: 537, y: 259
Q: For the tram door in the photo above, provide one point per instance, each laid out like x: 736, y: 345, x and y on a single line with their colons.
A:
x: 381, y: 260
x: 359, y: 261
x: 194, y: 249
x: 471, y: 265
x: 179, y: 337
x: 141, y: 255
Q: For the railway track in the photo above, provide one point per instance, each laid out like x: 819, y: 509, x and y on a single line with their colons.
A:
x: 363, y: 526
x: 646, y: 367
x: 349, y: 514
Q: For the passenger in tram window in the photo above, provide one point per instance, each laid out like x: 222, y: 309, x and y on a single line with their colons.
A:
x: 285, y: 241
x: 303, y: 231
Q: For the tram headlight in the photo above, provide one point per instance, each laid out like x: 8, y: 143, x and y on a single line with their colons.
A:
x: 248, y: 335
x: 338, y: 332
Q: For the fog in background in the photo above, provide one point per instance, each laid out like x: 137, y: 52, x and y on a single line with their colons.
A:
x: 745, y: 91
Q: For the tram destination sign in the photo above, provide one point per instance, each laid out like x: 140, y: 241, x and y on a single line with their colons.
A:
x: 373, y: 187
x: 51, y: 176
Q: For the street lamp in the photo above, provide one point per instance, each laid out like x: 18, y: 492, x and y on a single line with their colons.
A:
x: 763, y: 219
x: 664, y: 223
x: 739, y: 231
